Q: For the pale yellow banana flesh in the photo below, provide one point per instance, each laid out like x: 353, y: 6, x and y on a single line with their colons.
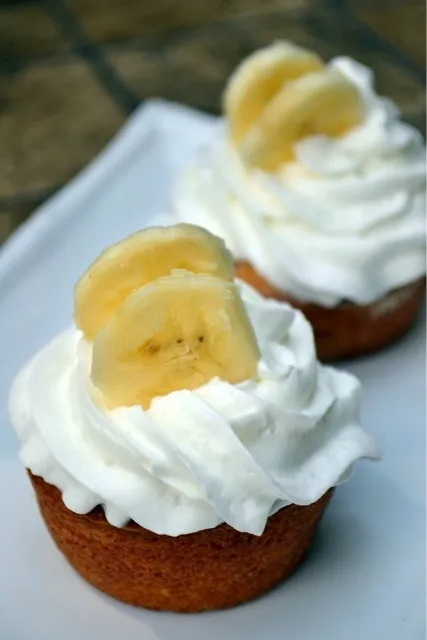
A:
x: 178, y: 332
x: 318, y: 103
x: 258, y: 78
x: 139, y: 259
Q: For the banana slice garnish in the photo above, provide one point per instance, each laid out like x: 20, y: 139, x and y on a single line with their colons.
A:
x: 317, y: 103
x: 177, y: 332
x: 139, y: 259
x: 257, y: 80
x: 282, y: 94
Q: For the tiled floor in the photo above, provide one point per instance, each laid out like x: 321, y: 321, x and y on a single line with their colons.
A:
x: 71, y: 71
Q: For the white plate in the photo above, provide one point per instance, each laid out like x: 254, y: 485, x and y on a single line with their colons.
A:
x: 365, y: 576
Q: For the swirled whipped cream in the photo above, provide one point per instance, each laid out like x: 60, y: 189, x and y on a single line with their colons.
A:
x: 222, y: 453
x: 344, y: 221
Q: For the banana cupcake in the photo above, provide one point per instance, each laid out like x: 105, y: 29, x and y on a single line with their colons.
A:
x: 318, y: 188
x: 182, y: 440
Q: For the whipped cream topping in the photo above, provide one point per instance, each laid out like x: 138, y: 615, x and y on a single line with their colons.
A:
x: 344, y: 221
x: 222, y: 453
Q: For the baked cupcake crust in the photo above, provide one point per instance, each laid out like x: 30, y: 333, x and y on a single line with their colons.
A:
x: 349, y: 330
x: 211, y: 569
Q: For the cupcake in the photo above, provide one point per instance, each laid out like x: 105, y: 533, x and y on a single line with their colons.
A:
x: 318, y: 188
x: 182, y: 440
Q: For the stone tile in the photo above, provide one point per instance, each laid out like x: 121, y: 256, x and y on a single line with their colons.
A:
x: 6, y: 228
x: 401, y: 23
x: 109, y: 20
x: 396, y: 83
x: 54, y: 118
x: 301, y: 28
x: 11, y: 219
x: 237, y: 8
x: 191, y: 70
x: 27, y: 30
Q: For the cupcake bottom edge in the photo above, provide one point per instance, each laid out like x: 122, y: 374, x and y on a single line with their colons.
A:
x: 349, y: 330
x: 212, y: 569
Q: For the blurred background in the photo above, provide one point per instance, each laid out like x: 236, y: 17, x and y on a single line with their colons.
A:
x: 72, y: 71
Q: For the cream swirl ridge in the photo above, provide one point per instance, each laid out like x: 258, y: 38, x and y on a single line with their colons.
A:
x: 222, y: 453
x: 344, y: 221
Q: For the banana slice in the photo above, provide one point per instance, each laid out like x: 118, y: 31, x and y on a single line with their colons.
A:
x: 324, y: 102
x: 258, y: 78
x: 141, y: 258
x: 178, y: 332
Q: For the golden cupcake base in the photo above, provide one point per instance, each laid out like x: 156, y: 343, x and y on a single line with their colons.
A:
x: 350, y: 330
x: 211, y: 569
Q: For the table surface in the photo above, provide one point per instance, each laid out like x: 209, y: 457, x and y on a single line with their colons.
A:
x: 71, y: 71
